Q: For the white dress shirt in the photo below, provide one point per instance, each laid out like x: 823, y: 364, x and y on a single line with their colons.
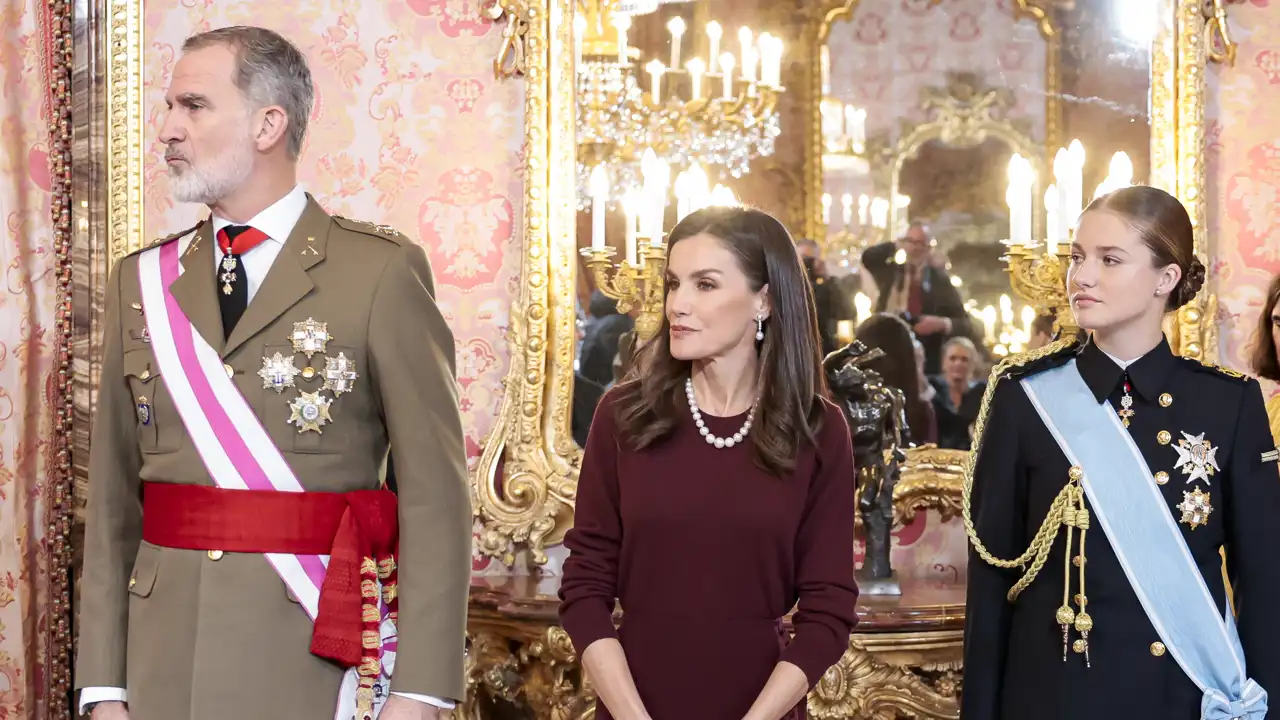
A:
x: 277, y: 222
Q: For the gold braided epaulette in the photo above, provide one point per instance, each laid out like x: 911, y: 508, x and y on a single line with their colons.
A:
x: 1215, y: 369
x: 367, y: 228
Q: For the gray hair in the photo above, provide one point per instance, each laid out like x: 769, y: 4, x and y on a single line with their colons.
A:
x: 270, y: 70
x: 964, y: 342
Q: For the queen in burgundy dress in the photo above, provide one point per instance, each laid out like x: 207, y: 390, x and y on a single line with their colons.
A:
x: 716, y: 492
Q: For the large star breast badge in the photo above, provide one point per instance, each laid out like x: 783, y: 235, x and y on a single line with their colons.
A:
x: 339, y: 374
x: 1197, y: 457
x: 278, y: 372
x: 310, y: 411
x: 1195, y: 508
x: 310, y: 337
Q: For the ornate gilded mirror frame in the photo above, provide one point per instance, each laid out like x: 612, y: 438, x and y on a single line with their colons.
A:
x: 525, y: 482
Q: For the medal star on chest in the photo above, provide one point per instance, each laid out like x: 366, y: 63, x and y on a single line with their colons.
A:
x: 1197, y: 457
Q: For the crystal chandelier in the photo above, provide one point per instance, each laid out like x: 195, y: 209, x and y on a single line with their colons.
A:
x: 718, y: 111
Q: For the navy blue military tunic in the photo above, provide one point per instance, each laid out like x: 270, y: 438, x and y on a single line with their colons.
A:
x: 1204, y: 434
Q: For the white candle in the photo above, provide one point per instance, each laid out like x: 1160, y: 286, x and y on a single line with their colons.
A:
x: 727, y: 62
x: 723, y: 197
x: 696, y: 67
x: 825, y: 62
x: 655, y: 68
x: 1052, y: 218
x: 750, y: 58
x: 676, y: 26
x: 744, y: 40
x: 714, y: 31
x: 1075, y: 190
x: 770, y: 60
x: 989, y: 323
x: 826, y: 208
x: 864, y: 206
x: 699, y: 187
x: 622, y: 23
x: 599, y: 185
x: 846, y: 205
x: 683, y: 194
x: 1018, y: 197
x: 579, y: 30
x: 880, y: 213
x: 630, y: 209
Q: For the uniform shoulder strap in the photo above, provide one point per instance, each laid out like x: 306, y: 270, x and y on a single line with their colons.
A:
x: 167, y: 238
x: 386, y: 232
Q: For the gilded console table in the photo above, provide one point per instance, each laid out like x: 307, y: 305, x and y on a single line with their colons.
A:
x: 904, y: 659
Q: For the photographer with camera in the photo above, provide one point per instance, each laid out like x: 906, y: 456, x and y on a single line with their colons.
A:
x: 833, y: 305
x: 918, y: 290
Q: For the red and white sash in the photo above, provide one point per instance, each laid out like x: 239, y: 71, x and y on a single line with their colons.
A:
x: 235, y: 447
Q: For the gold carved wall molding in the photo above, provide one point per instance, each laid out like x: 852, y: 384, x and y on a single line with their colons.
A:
x: 525, y: 482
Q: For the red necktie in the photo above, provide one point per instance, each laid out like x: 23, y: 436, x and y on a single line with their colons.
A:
x: 915, y: 293
x: 234, y: 241
x: 239, y: 239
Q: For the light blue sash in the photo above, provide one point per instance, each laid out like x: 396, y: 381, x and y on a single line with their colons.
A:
x: 1134, y: 515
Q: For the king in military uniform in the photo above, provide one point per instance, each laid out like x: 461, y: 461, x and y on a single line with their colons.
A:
x: 243, y: 557
x: 1109, y: 475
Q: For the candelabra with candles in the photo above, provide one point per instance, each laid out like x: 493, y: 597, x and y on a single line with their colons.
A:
x: 637, y: 282
x: 844, y: 126
x: 695, y: 110
x: 1038, y: 272
x: 847, y: 244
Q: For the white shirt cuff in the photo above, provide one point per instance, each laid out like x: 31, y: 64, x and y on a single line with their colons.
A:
x: 443, y: 704
x: 92, y: 695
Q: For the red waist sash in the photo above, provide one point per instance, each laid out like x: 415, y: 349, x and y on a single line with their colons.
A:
x: 358, y: 531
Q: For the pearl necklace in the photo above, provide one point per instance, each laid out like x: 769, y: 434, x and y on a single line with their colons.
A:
x: 711, y: 439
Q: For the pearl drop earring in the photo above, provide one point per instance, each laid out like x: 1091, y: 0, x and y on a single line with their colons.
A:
x: 759, y: 328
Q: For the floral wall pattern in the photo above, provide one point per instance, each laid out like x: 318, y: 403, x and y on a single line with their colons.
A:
x: 1243, y: 167
x: 410, y: 129
x: 27, y: 317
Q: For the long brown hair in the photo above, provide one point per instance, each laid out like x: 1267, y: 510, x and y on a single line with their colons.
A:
x: 792, y: 386
x: 1165, y: 228
x: 898, y: 365
x: 1263, y: 359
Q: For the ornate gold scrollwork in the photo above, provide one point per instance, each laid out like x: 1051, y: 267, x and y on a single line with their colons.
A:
x: 862, y: 685
x: 512, y: 56
x: 554, y: 684
x: 525, y: 482
x: 964, y: 115
x: 932, y: 477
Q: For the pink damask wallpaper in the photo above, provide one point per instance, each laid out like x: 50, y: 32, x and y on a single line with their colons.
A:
x: 410, y: 129
x: 888, y: 50
x: 27, y: 302
x: 1243, y: 165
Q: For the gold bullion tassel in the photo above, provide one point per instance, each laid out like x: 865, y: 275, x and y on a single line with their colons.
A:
x: 1076, y: 515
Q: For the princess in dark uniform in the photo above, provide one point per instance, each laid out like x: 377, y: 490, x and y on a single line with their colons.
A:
x: 1108, y: 473
x: 716, y: 491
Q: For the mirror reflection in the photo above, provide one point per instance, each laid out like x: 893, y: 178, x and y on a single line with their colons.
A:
x: 950, y: 134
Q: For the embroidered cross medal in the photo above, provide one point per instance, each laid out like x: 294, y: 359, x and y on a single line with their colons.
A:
x: 1195, y: 508
x: 310, y: 337
x: 1197, y: 457
x: 278, y: 372
x: 339, y: 374
x: 1126, y: 402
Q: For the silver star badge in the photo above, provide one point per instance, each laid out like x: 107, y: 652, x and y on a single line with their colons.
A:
x: 310, y: 411
x: 1195, y: 508
x: 278, y: 372
x: 310, y: 337
x: 339, y: 374
x: 1197, y: 457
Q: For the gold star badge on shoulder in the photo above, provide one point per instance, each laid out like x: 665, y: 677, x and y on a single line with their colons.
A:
x: 310, y: 411
x: 278, y: 372
x: 1195, y: 508
x: 310, y: 337
x: 1197, y: 457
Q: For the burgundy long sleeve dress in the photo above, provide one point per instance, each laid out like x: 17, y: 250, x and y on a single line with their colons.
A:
x: 706, y: 553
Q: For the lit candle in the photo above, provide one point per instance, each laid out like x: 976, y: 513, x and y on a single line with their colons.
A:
x: 622, y: 23
x: 850, y: 121
x: 825, y: 62
x: 744, y: 40
x: 579, y: 30
x: 696, y: 67
x: 774, y: 63
x: 880, y: 213
x: 683, y: 195
x: 657, y: 176
x: 846, y: 214
x: 1053, y: 219
x: 864, y: 206
x: 727, y: 62
x: 723, y: 197
x: 698, y: 187
x: 989, y: 323
x: 1028, y: 317
x: 1075, y: 189
x: 750, y: 58
x: 676, y: 26
x: 1006, y: 310
x: 655, y: 68
x: 630, y: 210
x: 599, y: 186
x: 860, y: 130
x: 1018, y: 196
x: 862, y: 304
x: 714, y: 31
x: 826, y: 208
